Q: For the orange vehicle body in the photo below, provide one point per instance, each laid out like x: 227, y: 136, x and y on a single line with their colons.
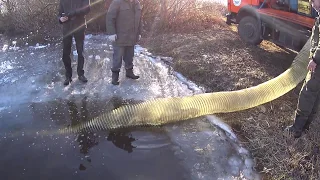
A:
x: 236, y: 5
x: 269, y: 18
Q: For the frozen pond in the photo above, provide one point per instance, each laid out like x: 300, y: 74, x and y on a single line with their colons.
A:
x: 33, y: 98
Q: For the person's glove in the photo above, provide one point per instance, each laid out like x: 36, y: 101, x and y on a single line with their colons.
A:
x: 139, y: 37
x: 71, y: 14
x: 112, y: 38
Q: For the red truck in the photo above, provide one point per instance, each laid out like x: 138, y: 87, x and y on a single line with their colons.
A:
x: 287, y: 23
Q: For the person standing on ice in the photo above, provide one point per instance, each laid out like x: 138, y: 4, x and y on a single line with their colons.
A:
x: 309, y: 95
x: 124, y: 30
x: 72, y: 17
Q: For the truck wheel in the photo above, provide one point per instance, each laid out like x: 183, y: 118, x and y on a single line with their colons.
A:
x: 249, y: 30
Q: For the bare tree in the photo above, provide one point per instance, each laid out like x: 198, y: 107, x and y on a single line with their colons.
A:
x: 158, y: 15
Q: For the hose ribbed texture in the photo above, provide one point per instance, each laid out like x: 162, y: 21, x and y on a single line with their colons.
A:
x: 168, y: 110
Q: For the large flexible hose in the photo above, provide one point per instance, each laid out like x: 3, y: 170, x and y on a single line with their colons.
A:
x: 168, y: 110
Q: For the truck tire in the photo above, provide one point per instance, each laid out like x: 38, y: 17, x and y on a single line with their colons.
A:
x: 249, y: 30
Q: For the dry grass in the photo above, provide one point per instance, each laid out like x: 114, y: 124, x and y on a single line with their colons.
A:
x: 217, y: 59
x: 278, y: 155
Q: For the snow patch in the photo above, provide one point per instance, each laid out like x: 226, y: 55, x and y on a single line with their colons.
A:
x: 5, y: 47
x: 2, y: 108
x: 161, y: 62
x: 88, y: 36
x: 216, y: 121
x: 5, y: 66
x: 38, y: 46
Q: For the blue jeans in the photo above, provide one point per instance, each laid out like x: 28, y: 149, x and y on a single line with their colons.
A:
x: 124, y: 53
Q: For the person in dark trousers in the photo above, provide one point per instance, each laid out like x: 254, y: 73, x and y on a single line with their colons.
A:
x: 124, y: 30
x: 72, y: 16
x: 309, y: 95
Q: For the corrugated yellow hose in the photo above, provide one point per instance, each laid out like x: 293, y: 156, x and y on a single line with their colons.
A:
x: 167, y: 110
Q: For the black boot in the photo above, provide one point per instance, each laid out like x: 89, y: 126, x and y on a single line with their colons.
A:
x: 297, y: 128
x: 83, y: 79
x: 129, y: 74
x: 306, y: 127
x: 295, y: 132
x: 115, y: 77
x: 67, y: 81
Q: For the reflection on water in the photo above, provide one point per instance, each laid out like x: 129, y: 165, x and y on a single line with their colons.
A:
x: 79, y: 114
x: 86, y: 139
x: 122, y: 140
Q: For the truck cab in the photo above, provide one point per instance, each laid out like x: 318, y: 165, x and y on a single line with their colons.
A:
x: 287, y: 23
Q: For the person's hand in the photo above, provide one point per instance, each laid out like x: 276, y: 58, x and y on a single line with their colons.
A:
x: 71, y: 14
x: 112, y: 38
x: 139, y: 37
x: 64, y: 19
x: 312, y: 65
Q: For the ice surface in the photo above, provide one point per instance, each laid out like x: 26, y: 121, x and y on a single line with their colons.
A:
x: 33, y: 77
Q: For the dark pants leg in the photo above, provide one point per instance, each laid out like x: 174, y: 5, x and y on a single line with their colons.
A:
x: 313, y: 113
x: 308, y: 100
x: 122, y: 53
x: 67, y: 42
x: 128, y: 57
x: 118, y: 53
x: 79, y: 38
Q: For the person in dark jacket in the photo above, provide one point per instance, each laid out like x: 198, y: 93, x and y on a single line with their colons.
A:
x: 72, y: 17
x: 124, y: 30
x: 309, y: 95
